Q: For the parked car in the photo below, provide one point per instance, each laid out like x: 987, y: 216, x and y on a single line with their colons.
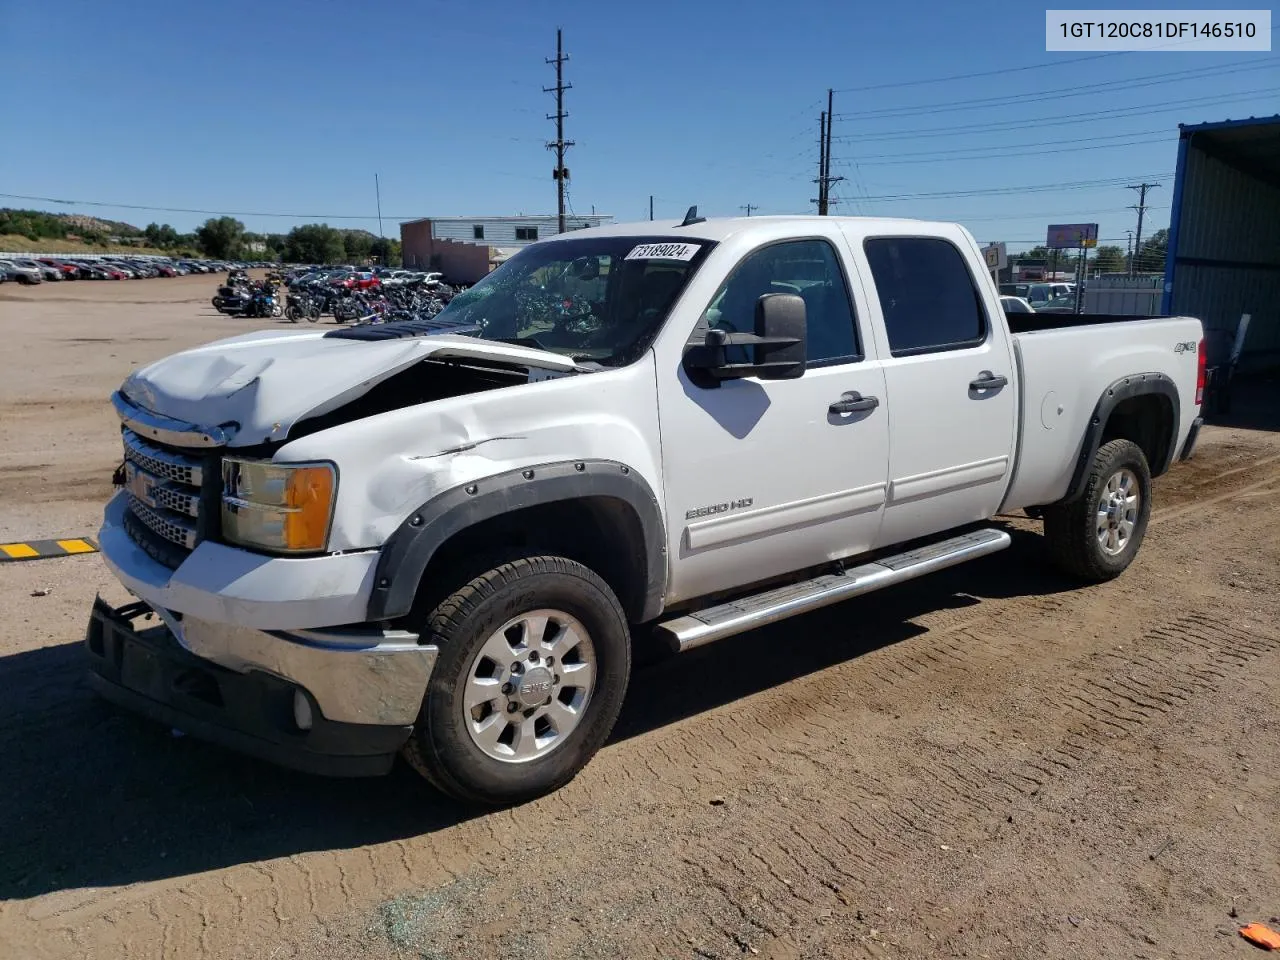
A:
x: 356, y: 281
x: 46, y: 272
x: 1063, y: 304
x: 85, y: 270
x: 1016, y: 305
x: 22, y: 273
x: 443, y: 545
x: 66, y: 270
x: 1039, y: 293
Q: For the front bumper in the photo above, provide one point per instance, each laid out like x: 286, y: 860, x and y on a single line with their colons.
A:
x: 251, y: 709
x: 224, y: 584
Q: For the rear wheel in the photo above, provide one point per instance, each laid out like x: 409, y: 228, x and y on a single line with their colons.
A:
x: 1095, y: 537
x: 534, y: 660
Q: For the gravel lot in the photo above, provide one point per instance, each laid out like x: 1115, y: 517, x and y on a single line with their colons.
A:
x: 988, y: 763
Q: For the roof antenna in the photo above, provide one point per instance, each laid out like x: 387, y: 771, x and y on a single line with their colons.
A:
x: 691, y: 217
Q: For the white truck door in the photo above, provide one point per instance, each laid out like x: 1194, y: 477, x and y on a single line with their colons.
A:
x: 952, y: 386
x: 765, y: 477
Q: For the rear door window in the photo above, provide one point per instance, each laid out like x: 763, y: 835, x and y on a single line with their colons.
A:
x: 927, y: 295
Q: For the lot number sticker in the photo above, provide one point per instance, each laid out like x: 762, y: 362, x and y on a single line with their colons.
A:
x: 664, y: 251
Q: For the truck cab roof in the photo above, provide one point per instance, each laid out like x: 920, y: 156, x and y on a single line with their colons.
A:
x: 717, y: 229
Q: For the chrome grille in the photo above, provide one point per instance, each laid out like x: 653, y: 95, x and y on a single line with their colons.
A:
x: 179, y: 501
x: 165, y: 494
x: 164, y: 523
x: 171, y: 466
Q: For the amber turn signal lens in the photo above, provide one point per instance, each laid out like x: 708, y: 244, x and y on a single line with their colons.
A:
x: 309, y: 503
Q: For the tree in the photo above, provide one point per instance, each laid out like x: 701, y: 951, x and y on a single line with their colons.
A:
x: 387, y: 252
x: 161, y: 235
x: 1035, y: 253
x: 1154, y: 250
x: 315, y: 243
x: 1108, y: 260
x: 220, y: 238
x: 357, y: 244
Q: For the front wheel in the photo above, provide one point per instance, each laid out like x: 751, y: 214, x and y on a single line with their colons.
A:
x: 534, y: 660
x: 1096, y: 536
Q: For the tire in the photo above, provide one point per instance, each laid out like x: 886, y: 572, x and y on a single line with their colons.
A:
x: 292, y: 314
x: 1075, y: 531
x: 466, y: 625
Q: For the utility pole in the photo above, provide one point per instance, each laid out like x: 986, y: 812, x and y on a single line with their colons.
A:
x: 749, y: 207
x: 827, y: 162
x: 1141, y: 207
x: 377, y: 189
x: 822, y: 165
x: 559, y: 144
x: 1129, y: 253
x: 825, y: 179
x: 651, y: 206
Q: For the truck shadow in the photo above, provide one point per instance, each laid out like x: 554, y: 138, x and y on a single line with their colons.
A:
x: 95, y: 797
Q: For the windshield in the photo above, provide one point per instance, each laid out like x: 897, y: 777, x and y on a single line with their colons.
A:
x: 600, y: 299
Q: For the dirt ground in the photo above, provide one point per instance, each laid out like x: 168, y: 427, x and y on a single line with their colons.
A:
x: 986, y: 763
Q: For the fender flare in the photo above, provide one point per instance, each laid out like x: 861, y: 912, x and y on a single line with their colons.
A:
x: 403, y: 559
x: 1136, y: 385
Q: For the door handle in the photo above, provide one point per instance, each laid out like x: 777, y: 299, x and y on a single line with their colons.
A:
x: 853, y: 402
x: 988, y: 381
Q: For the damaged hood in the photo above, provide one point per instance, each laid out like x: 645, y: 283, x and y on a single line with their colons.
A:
x: 257, y: 386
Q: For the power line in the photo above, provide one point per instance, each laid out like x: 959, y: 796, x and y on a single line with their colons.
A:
x: 992, y: 126
x: 998, y: 191
x: 1019, y: 146
x: 965, y: 218
x: 981, y: 103
x: 973, y: 76
x: 888, y: 159
x: 213, y: 213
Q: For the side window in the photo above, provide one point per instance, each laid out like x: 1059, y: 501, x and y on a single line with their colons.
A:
x: 808, y: 268
x: 926, y: 293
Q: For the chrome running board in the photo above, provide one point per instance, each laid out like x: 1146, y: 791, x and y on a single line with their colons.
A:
x: 778, y: 603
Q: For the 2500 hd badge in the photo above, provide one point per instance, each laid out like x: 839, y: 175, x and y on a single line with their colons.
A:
x: 718, y: 508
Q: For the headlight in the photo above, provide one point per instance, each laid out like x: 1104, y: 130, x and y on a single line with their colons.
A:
x: 284, y: 508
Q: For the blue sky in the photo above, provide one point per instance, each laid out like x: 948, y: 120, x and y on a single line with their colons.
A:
x: 291, y: 107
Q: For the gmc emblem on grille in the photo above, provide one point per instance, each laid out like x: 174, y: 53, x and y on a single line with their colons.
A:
x: 139, y: 483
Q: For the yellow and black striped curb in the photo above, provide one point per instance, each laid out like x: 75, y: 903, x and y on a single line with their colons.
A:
x: 44, y: 549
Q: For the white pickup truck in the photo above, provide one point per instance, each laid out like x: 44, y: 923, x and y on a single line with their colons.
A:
x: 439, y: 538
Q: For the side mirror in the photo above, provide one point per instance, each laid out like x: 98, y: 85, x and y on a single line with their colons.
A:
x: 777, y: 348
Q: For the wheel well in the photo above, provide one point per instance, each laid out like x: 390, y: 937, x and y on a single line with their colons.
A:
x: 602, y: 533
x: 1147, y: 420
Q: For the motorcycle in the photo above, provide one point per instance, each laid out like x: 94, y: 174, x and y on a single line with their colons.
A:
x: 263, y: 302
x: 303, y: 306
x: 233, y: 296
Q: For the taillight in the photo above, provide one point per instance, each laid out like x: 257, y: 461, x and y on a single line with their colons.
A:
x: 1202, y: 366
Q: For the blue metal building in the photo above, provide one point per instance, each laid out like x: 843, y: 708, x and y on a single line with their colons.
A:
x: 1224, y: 235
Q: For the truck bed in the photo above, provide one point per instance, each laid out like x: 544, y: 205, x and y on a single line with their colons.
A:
x: 1036, y: 322
x: 1066, y: 363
